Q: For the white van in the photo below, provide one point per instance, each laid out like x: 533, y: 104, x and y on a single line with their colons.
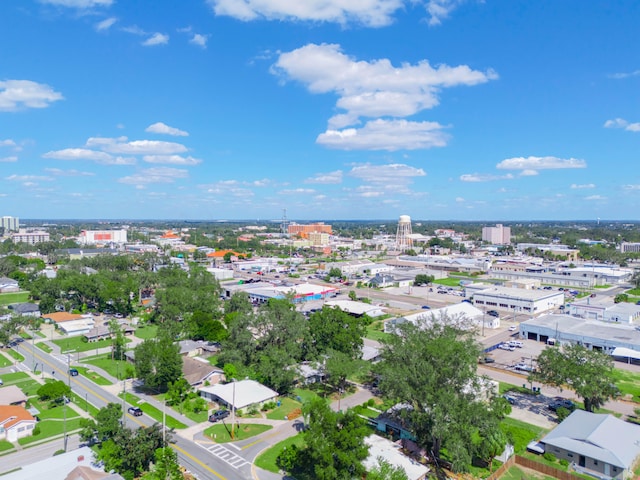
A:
x: 516, y: 343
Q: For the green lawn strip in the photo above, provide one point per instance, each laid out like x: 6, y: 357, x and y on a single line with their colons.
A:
x: 628, y: 383
x: 448, y: 282
x: 221, y: 432
x: 375, y: 332
x: 4, y: 361
x: 78, y: 344
x: 29, y: 387
x: 146, y: 332
x: 25, y: 335
x: 152, y: 411
x: 5, y: 445
x: 84, y: 405
x: 287, y: 405
x: 368, y: 412
x: 44, y: 347
x: 15, y: 354
x: 13, y: 297
x: 50, y: 428
x: 115, y: 368
x: 93, y: 376
x: 267, y: 459
x: 48, y: 412
x: 520, y: 433
x: 40, y: 334
x: 14, y: 378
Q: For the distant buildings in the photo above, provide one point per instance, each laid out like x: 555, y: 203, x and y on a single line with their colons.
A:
x: 92, y: 237
x: 303, y: 231
x: 10, y: 224
x: 498, y: 235
x: 30, y: 236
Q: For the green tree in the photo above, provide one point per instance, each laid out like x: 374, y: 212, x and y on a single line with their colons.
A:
x: 117, y: 340
x: 589, y: 373
x: 54, y: 391
x: 385, y: 471
x: 334, y: 329
x: 334, y: 446
x: 621, y: 297
x: 353, y: 295
x: 158, y: 362
x: 431, y: 367
x: 338, y: 366
x: 177, y: 391
x: 335, y: 272
x: 423, y: 279
x: 165, y: 466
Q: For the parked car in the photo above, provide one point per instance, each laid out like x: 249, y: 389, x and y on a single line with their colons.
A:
x: 516, y: 343
x: 493, y: 313
x: 218, y: 415
x: 73, y: 372
x: 426, y: 307
x: 506, y: 346
x: 562, y: 403
x: 135, y: 411
x: 509, y: 399
x: 487, y: 360
x: 523, y: 367
x: 513, y: 328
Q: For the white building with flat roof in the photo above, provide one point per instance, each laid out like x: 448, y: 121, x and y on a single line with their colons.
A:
x: 516, y: 300
x: 498, y: 235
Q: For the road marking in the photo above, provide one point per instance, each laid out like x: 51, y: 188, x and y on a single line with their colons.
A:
x: 199, y: 462
x: 226, y: 455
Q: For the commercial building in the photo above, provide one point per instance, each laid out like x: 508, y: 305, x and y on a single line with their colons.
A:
x: 516, y: 300
x: 303, y: 231
x: 498, y: 235
x: 29, y: 236
x: 10, y: 224
x: 629, y: 247
x: 91, y: 237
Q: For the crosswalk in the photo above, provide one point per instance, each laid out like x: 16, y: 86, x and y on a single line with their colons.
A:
x: 224, y: 454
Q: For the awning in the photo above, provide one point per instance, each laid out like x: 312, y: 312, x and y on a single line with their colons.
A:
x: 625, y: 352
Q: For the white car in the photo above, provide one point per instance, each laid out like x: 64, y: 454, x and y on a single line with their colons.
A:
x: 516, y: 343
x: 513, y: 328
x: 506, y: 346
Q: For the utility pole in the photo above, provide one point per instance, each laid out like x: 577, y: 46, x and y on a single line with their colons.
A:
x: 124, y: 394
x: 64, y: 410
x: 233, y: 408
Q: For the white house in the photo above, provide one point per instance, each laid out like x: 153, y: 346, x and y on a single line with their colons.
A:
x: 15, y: 422
x: 239, y: 395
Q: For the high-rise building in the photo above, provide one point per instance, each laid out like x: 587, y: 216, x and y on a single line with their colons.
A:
x: 404, y: 241
x: 10, y: 224
x: 498, y: 235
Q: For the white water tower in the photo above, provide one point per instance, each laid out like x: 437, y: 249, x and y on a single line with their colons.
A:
x: 404, y: 241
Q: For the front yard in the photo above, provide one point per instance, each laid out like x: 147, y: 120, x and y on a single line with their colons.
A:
x: 221, y: 432
x: 78, y: 344
x: 287, y: 410
x: 267, y: 459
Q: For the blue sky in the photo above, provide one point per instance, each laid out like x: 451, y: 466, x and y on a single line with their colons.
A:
x: 330, y: 109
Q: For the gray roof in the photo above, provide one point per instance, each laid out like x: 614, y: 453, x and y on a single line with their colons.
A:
x: 25, y: 308
x: 247, y: 392
x: 601, y: 437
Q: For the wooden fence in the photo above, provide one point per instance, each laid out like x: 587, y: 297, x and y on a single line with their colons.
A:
x: 532, y: 465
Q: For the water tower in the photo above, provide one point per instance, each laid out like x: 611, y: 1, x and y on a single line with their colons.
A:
x: 404, y: 241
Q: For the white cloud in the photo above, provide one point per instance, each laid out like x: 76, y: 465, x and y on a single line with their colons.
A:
x: 164, y: 129
x: 28, y: 178
x: 484, y: 177
x: 199, y: 40
x: 171, y: 160
x: 326, y: 178
x: 575, y: 186
x: 595, y: 197
x: 388, y: 174
x: 375, y: 88
x: 7, y: 143
x: 156, y: 39
x: 105, y: 24
x: 528, y: 173
x: 540, y: 163
x: 619, y: 76
x: 16, y: 94
x: 297, y: 191
x: 226, y: 188
x: 622, y: 123
x: 87, y: 154
x: 390, y: 135
x: 459, y: 200
x: 136, y: 147
x: 68, y: 173
x: 79, y: 3
x: 439, y: 10
x: 155, y: 175
x: 631, y: 187
x: 373, y: 13
x: 11, y: 158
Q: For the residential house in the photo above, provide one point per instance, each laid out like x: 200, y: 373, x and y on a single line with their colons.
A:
x: 199, y: 372
x: 241, y: 396
x: 12, y: 395
x: 8, y: 285
x: 309, y: 373
x: 25, y: 309
x: 102, y: 332
x: 15, y: 422
x: 597, y: 444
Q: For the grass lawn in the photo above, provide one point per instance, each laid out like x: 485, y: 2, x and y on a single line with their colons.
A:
x: 369, y: 413
x: 5, y: 445
x: 287, y: 406
x: 520, y: 433
x: 152, y: 411
x: 146, y: 332
x: 14, y: 378
x: 305, y: 395
x: 83, y: 404
x: 15, y: 354
x: 517, y: 473
x: 213, y: 361
x: 628, y: 383
x: 4, y: 361
x: 50, y: 428
x: 40, y: 334
x: 267, y: 459
x: 374, y: 331
x: 44, y: 347
x: 221, y: 432
x: 29, y: 387
x: 77, y: 344
x: 93, y: 376
x: 448, y: 282
x: 50, y: 413
x: 115, y: 368
x: 13, y: 297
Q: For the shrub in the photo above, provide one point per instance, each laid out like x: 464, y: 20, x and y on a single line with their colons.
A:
x: 253, y: 410
x: 59, y: 452
x: 564, y: 462
x: 371, y: 402
x: 36, y: 430
x: 562, y: 413
x: 549, y: 457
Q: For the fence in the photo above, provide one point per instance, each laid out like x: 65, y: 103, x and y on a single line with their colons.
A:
x: 532, y: 465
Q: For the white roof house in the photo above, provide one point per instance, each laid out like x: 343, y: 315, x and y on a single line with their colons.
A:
x: 458, y: 312
x: 596, y: 442
x: 356, y: 308
x: 238, y: 395
x: 381, y: 448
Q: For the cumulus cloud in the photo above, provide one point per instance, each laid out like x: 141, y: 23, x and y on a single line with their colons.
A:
x: 7, y: 143
x: 540, y: 163
x: 11, y: 158
x: 622, y: 123
x: 619, y: 76
x: 82, y: 4
x: 156, y: 39
x: 199, y: 40
x: 17, y: 94
x: 392, y: 173
x: 171, y: 159
x: 68, y: 173
x: 372, y: 89
x: 88, y: 154
x: 105, y: 24
x: 137, y: 147
x: 155, y: 175
x: 389, y: 135
x: 440, y: 10
x: 164, y: 129
x: 631, y: 187
x: 228, y: 188
x: 297, y: 191
x: 326, y: 178
x: 484, y: 177
x: 575, y: 186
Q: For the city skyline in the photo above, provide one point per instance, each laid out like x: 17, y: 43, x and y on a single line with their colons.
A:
x: 236, y: 109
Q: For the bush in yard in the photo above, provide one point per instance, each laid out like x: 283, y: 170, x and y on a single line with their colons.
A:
x: 549, y: 457
x: 36, y: 430
x: 562, y: 413
x: 371, y: 402
x: 564, y: 462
